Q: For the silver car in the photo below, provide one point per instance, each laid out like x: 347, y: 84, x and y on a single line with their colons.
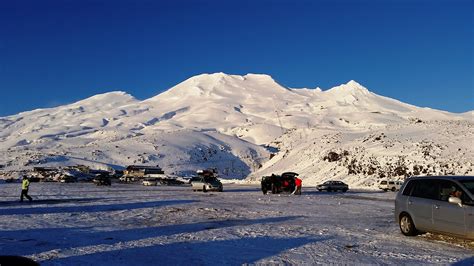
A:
x: 440, y: 204
x: 207, y: 184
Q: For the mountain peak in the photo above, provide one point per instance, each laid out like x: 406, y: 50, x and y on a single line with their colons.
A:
x: 350, y: 87
x: 219, y: 76
x: 353, y: 83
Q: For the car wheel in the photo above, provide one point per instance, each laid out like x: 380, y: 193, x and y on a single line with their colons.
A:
x: 344, y: 190
x: 385, y: 190
x: 204, y: 189
x: 407, y: 226
x: 393, y: 189
x: 329, y: 190
x: 264, y: 191
x: 273, y: 189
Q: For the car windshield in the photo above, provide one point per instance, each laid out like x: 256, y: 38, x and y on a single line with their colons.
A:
x: 469, y: 185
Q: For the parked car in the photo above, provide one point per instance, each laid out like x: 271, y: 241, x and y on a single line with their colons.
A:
x: 102, y: 180
x: 440, y: 204
x: 207, y: 183
x: 279, y: 183
x: 194, y: 178
x: 126, y: 179
x: 170, y: 181
x: 392, y: 185
x: 67, y: 179
x: 332, y: 185
x: 150, y: 182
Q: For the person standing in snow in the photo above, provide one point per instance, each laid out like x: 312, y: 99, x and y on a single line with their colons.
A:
x: 25, y: 184
x: 298, y: 183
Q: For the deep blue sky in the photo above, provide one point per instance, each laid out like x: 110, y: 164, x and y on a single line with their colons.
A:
x: 58, y: 52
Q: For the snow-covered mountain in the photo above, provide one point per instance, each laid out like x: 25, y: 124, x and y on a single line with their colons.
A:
x: 236, y: 123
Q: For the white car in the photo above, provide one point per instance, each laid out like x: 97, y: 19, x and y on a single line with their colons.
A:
x: 393, y: 185
x: 150, y: 182
x: 206, y: 184
x: 126, y: 179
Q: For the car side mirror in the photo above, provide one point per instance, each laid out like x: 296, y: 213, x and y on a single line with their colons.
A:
x: 455, y: 200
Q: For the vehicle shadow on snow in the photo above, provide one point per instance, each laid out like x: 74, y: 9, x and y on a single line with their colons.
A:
x: 248, y: 250
x: 251, y: 189
x: 350, y: 192
x: 25, y: 242
x: 46, y: 201
x: 92, y: 208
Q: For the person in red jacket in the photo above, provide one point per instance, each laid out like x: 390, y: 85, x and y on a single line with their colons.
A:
x: 298, y: 183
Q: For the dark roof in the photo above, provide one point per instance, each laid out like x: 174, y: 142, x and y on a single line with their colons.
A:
x: 138, y: 167
x: 290, y: 173
x: 450, y: 177
x: 45, y: 168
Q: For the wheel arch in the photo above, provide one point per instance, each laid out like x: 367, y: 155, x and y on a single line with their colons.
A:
x: 411, y: 217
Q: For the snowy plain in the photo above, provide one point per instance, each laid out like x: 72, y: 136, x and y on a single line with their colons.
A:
x: 130, y: 224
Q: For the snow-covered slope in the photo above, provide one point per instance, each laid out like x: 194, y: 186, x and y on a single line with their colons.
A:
x: 223, y: 121
x: 362, y: 158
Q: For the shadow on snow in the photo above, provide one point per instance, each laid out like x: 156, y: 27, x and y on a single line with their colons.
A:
x: 92, y: 208
x: 46, y: 201
x: 26, y: 242
x: 220, y: 252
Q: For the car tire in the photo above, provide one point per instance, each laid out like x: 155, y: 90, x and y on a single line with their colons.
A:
x: 344, y: 190
x: 393, y: 189
x: 407, y: 227
x: 264, y: 191
x: 204, y: 189
x: 273, y: 189
x: 385, y: 190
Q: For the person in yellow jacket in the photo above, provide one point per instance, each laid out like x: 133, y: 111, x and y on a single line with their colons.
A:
x: 25, y: 184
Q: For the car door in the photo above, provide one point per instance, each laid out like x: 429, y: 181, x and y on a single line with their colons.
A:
x: 470, y: 219
x: 448, y: 217
x: 420, y: 204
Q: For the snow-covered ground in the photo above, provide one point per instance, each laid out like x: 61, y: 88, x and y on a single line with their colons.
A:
x: 129, y: 224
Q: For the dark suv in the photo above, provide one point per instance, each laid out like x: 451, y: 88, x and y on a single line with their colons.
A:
x: 102, y: 180
x: 441, y: 204
x: 279, y: 183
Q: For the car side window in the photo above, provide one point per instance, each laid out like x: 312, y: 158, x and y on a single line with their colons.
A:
x: 409, y: 187
x: 449, y: 188
x: 425, y: 188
